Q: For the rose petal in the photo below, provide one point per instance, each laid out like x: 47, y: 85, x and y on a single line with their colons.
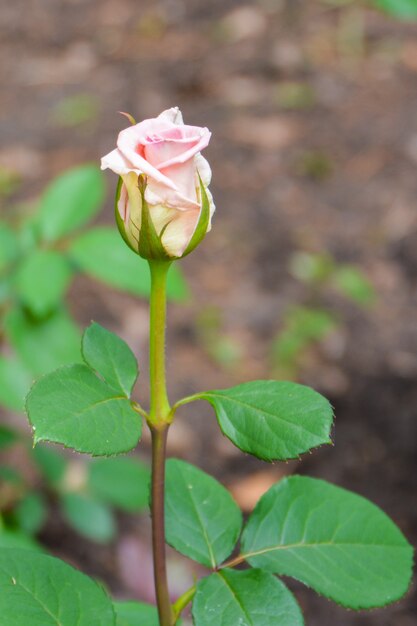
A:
x: 179, y: 231
x: 173, y: 115
x: 127, y: 143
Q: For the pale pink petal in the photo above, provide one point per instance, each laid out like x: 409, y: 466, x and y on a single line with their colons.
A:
x: 184, y: 176
x: 116, y: 162
x: 156, y: 193
x: 173, y: 115
x: 158, y: 153
x: 179, y: 231
x: 199, y: 144
x: 203, y: 168
x: 127, y: 144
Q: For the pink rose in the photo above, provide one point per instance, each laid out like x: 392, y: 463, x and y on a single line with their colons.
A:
x: 166, y: 154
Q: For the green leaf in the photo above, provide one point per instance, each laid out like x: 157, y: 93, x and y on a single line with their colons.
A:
x: 406, y: 9
x: 42, y: 280
x: 73, y: 407
x: 15, y: 381
x: 90, y: 518
x: 31, y: 513
x: 334, y: 541
x: 51, y: 464
x: 8, y: 245
x: 70, y: 201
x: 17, y: 540
x: 352, y: 283
x: 203, y: 221
x: 8, y: 436
x: 110, y: 357
x: 30, y: 338
x: 42, y: 591
x: 136, y: 614
x: 202, y: 519
x: 247, y: 598
x: 302, y: 327
x: 11, y: 475
x: 272, y: 420
x: 102, y: 254
x: 121, y: 482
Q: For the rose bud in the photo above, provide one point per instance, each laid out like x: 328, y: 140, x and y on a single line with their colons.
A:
x: 163, y: 205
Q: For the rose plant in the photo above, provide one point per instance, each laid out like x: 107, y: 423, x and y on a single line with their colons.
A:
x: 333, y: 541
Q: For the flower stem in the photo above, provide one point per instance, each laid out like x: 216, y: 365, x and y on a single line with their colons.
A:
x: 159, y: 423
x: 160, y: 408
x: 159, y: 437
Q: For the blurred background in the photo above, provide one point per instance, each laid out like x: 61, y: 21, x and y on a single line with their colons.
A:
x: 309, y: 272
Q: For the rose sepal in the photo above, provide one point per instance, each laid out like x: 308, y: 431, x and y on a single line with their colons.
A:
x: 119, y: 222
x: 203, y: 221
x: 150, y: 243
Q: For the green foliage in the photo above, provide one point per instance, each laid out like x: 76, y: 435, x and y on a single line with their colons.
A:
x: 311, y: 268
x: 135, y: 614
x: 81, y: 108
x: 70, y: 201
x: 110, y: 357
x: 17, y: 540
x: 7, y: 436
x: 122, y: 482
x: 30, y: 336
x: 306, y: 325
x: 314, y: 164
x: 351, y: 283
x: 42, y: 591
x: 303, y: 327
x: 38, y: 258
x: 74, y: 407
x: 42, y: 280
x: 9, y: 181
x: 404, y: 9
x: 15, y: 380
x: 250, y: 597
x: 332, y: 540
x: 293, y: 95
x: 31, y: 513
x: 51, y: 464
x: 8, y: 245
x: 91, y: 518
x: 320, y: 271
x: 272, y: 420
x: 202, y: 519
x: 102, y: 254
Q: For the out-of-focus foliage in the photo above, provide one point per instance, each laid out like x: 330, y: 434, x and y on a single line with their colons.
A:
x: 42, y: 248
x: 308, y: 324
x: 404, y: 9
x: 41, y: 251
x: 87, y: 493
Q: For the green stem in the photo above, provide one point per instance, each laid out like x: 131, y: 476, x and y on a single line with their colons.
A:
x: 241, y: 558
x: 183, y: 600
x: 160, y: 408
x: 193, y: 398
x: 159, y: 423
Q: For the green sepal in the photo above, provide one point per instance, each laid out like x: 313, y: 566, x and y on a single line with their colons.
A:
x: 119, y: 222
x: 150, y: 244
x: 203, y: 221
